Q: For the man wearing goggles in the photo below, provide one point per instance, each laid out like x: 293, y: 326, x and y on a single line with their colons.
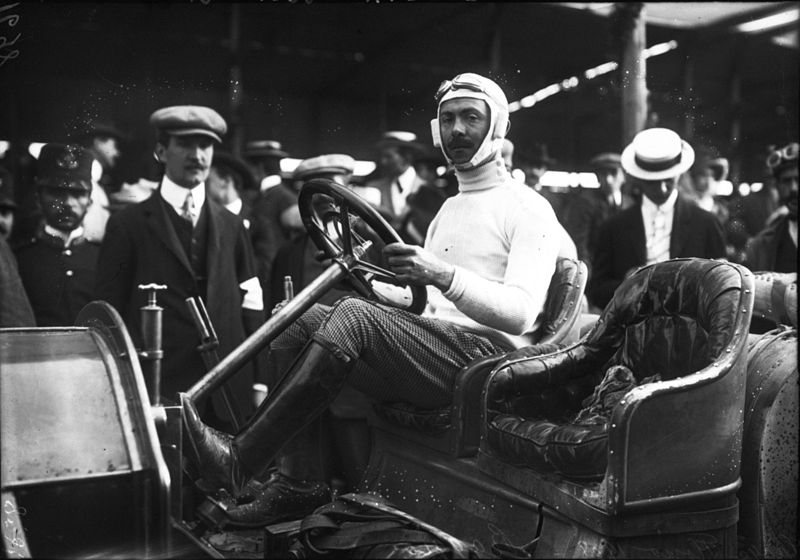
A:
x: 487, y: 261
x: 775, y: 247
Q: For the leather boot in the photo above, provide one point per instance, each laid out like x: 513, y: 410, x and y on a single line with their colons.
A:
x: 280, y: 498
x: 311, y: 384
x: 295, y: 490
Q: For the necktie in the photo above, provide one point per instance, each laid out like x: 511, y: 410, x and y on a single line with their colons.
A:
x: 187, y: 210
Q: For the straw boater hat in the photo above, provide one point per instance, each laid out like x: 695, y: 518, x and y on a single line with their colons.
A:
x: 656, y: 154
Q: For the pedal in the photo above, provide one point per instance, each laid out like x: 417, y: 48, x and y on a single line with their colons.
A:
x: 213, y: 513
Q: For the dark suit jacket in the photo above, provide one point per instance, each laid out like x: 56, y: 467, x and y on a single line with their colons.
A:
x: 772, y: 249
x: 140, y: 247
x: 622, y: 246
x: 583, y: 216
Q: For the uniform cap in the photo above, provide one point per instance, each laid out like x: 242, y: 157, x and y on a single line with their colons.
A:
x: 64, y: 166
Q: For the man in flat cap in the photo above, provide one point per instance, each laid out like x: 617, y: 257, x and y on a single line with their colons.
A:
x: 181, y: 238
x: 264, y: 158
x: 58, y: 265
x: 584, y: 214
x: 297, y: 256
x: 663, y: 226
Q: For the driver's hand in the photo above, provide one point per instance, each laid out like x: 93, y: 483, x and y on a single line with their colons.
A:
x: 414, y: 265
x: 322, y: 258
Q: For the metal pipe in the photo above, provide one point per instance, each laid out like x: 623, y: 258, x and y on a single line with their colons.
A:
x: 267, y: 332
x: 151, y: 352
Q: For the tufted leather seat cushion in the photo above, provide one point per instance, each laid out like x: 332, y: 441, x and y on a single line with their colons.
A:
x: 669, y: 320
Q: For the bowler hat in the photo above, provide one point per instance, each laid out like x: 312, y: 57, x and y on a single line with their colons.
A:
x: 64, y: 166
x: 605, y: 160
x: 6, y: 189
x: 264, y: 148
x: 324, y: 164
x: 185, y: 120
x: 401, y: 139
x: 238, y: 166
x: 656, y: 154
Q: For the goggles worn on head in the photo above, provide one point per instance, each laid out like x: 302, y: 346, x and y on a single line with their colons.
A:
x: 787, y: 153
x: 459, y: 82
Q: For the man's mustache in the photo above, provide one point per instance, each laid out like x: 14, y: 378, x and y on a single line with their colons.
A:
x: 459, y: 144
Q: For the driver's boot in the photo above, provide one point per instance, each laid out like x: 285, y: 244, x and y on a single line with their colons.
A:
x: 295, y: 488
x: 310, y: 385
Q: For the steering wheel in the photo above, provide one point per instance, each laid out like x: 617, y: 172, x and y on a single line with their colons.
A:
x: 344, y: 226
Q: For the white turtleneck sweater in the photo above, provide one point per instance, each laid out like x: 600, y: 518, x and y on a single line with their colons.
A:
x: 503, y: 241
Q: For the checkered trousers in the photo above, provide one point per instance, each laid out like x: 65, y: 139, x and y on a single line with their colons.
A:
x: 399, y: 356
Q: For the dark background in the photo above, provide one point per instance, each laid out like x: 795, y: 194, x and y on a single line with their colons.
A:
x: 330, y: 77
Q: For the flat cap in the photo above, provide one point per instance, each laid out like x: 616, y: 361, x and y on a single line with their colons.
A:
x: 324, y: 164
x: 65, y: 167
x: 185, y: 120
x: 605, y: 160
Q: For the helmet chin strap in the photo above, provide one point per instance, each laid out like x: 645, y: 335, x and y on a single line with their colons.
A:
x: 488, y: 151
x: 492, y: 144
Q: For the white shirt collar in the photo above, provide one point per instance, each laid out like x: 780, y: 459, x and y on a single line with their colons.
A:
x: 175, y: 195
x: 235, y: 206
x: 407, y: 179
x: 651, y: 207
x: 67, y: 238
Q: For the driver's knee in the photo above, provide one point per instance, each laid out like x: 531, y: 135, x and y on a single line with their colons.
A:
x: 350, y: 324
x: 299, y: 332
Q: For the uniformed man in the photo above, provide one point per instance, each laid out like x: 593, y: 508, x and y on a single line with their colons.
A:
x: 58, y: 265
